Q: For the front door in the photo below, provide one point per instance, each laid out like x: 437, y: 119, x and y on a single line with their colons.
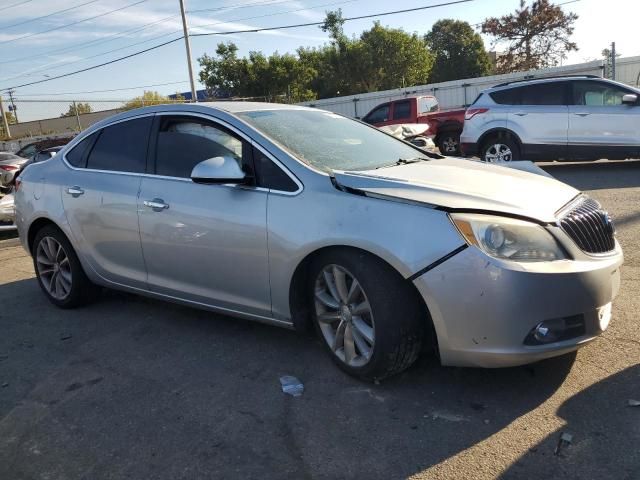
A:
x: 100, y: 199
x: 203, y: 243
x: 600, y: 125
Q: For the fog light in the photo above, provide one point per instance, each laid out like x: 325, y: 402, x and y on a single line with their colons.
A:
x: 556, y: 330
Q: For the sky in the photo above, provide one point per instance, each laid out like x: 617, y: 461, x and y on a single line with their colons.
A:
x: 36, y: 50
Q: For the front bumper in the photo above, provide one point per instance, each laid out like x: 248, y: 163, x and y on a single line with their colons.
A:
x: 483, y: 309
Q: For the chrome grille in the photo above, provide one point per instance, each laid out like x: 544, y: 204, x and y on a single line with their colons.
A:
x: 589, y: 226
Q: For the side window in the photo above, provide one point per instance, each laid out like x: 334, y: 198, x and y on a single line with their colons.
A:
x: 380, y: 114
x: 402, y: 110
x: 551, y: 93
x: 122, y: 147
x: 505, y: 97
x: 270, y: 175
x: 78, y: 154
x: 184, y: 142
x: 427, y: 104
x: 596, y: 94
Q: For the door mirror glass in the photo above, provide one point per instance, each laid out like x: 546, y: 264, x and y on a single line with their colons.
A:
x: 630, y: 99
x: 218, y: 170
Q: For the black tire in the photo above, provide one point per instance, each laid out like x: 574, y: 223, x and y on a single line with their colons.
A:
x: 82, y: 290
x: 449, y: 143
x: 399, y: 315
x: 502, y: 140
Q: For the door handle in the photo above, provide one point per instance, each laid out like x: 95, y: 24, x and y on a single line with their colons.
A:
x: 75, y: 191
x: 157, y: 204
x: 581, y: 114
x: 520, y: 114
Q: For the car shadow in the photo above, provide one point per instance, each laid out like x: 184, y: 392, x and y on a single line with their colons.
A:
x: 605, y: 435
x: 596, y: 175
x: 136, y: 387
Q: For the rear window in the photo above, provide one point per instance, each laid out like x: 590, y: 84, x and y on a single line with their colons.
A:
x: 122, y: 147
x: 427, y: 104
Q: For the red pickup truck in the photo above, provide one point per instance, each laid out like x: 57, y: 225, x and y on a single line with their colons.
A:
x: 445, y: 126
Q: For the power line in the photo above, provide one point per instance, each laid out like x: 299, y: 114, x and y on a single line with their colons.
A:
x: 73, y: 23
x: 255, y: 30
x: 48, y: 15
x: 100, y: 41
x: 32, y: 72
x: 244, y: 5
x: 14, y: 5
x: 309, y: 24
x: 104, y: 91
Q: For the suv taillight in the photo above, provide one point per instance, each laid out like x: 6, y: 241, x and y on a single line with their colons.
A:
x: 8, y: 168
x: 472, y: 112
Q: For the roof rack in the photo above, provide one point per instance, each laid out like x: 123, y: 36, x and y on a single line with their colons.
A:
x: 532, y: 77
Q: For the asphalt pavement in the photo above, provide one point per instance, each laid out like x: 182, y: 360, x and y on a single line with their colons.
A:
x: 130, y: 387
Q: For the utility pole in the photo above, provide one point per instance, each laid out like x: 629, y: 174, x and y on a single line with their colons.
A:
x: 5, y: 124
x: 13, y: 106
x: 613, y: 60
x: 75, y: 108
x: 187, y: 44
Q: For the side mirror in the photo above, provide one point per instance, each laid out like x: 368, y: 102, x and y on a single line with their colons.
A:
x: 630, y: 99
x: 218, y: 170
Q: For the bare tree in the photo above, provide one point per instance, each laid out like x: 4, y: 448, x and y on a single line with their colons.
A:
x: 536, y: 36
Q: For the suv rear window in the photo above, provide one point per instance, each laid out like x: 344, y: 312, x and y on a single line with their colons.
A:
x: 550, y: 93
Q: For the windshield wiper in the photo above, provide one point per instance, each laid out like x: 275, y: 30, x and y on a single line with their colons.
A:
x: 406, y: 161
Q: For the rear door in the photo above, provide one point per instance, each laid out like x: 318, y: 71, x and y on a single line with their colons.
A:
x: 600, y: 125
x: 207, y: 243
x: 401, y: 112
x: 100, y: 199
x: 540, y: 117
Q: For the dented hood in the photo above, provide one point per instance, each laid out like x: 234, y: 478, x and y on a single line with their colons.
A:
x: 458, y: 184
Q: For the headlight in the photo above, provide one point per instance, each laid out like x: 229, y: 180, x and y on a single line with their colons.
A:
x: 508, y: 238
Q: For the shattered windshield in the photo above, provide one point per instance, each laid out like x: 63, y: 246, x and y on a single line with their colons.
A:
x: 328, y: 141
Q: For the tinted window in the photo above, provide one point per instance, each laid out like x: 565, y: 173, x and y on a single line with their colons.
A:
x: 78, y: 154
x: 122, y: 147
x: 185, y: 142
x: 596, y: 94
x: 271, y: 175
x: 551, y: 93
x: 380, y: 114
x: 402, y: 110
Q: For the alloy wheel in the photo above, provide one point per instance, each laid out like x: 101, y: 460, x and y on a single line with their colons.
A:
x: 54, y: 268
x: 498, y: 152
x: 344, y: 315
x: 450, y: 145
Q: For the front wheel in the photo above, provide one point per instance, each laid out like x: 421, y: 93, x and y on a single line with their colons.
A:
x: 366, y: 314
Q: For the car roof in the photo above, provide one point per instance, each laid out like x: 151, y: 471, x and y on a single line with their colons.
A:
x: 534, y: 81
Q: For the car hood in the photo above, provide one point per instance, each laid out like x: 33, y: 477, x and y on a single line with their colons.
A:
x: 458, y: 184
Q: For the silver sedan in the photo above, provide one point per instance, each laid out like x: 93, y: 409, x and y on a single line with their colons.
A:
x: 298, y: 217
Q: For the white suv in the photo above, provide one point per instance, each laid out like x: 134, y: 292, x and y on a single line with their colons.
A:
x: 561, y: 118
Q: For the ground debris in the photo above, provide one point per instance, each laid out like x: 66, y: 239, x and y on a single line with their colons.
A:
x: 65, y: 336
x: 633, y: 403
x: 564, y: 440
x: 291, y: 385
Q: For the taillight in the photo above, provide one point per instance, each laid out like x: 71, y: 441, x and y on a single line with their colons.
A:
x: 8, y: 168
x: 17, y: 182
x: 472, y: 112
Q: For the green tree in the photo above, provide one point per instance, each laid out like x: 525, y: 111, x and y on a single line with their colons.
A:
x: 81, y: 107
x: 225, y: 72
x: 150, y: 98
x: 459, y: 51
x: 536, y: 36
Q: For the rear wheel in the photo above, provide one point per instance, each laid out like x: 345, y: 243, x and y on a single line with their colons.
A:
x: 449, y: 143
x: 367, y: 316
x: 499, y: 149
x: 59, y: 271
